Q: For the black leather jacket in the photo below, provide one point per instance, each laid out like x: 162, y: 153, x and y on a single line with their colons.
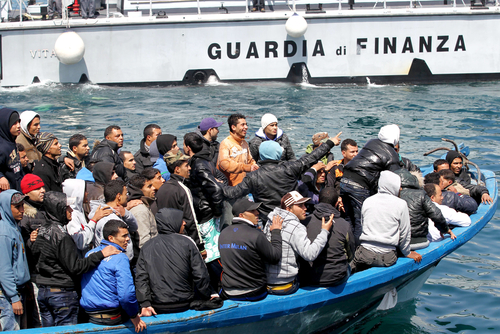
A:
x: 476, y: 191
x: 420, y: 207
x: 207, y: 192
x: 274, y: 179
x: 375, y: 157
x: 106, y: 151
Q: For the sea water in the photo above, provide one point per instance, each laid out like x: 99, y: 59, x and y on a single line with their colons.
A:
x: 463, y: 293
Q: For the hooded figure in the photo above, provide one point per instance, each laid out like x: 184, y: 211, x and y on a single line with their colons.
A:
x: 78, y: 228
x: 389, y: 134
x: 281, y: 139
x: 26, y: 139
x: 163, y: 144
x: 10, y: 165
x: 145, y: 219
x: 169, y: 267
x: 102, y: 173
x: 15, y: 271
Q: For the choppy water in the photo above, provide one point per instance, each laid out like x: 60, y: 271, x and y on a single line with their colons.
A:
x: 462, y: 294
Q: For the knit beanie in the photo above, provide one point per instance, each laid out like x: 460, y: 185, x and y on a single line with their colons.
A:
x: 45, y: 142
x: 31, y: 182
x: 270, y: 150
x: 452, y: 155
x: 267, y: 119
x: 389, y: 134
x: 14, y: 117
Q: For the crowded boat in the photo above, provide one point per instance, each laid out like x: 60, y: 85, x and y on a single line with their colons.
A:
x: 105, y: 235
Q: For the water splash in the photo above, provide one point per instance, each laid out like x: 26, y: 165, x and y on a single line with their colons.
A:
x: 370, y: 84
x: 305, y: 75
x: 213, y: 81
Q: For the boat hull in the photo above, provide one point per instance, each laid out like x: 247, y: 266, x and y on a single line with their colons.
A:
x: 399, y: 45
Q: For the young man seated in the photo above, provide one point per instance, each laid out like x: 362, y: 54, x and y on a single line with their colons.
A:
x: 108, y: 291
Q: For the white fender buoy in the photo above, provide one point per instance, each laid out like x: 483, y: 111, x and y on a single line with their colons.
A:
x: 296, y: 25
x: 69, y: 48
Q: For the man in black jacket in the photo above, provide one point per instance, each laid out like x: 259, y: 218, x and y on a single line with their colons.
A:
x: 361, y: 174
x: 59, y: 266
x: 11, y: 171
x: 107, y: 150
x: 79, y: 153
x: 208, y: 130
x: 142, y: 156
x: 48, y: 167
x: 245, y: 251
x: 275, y: 178
x: 331, y: 267
x: 169, y: 268
x: 421, y: 210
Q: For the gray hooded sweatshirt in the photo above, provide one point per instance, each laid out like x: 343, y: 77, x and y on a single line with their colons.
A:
x: 385, y: 218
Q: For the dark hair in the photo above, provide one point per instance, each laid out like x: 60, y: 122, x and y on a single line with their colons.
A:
x: 204, y: 132
x: 138, y: 181
x: 171, y: 168
x: 149, y: 173
x: 113, y: 188
x: 194, y: 141
x: 430, y: 189
x: 345, y: 142
x: 233, y: 120
x: 431, y: 178
x: 148, y: 130
x: 329, y: 195
x: 110, y: 129
x: 75, y: 140
x: 20, y: 147
x: 439, y: 162
x: 447, y: 174
x: 112, y: 227
x: 122, y: 154
x: 90, y: 166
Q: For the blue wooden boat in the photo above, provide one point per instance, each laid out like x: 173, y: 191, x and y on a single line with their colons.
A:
x: 313, y: 309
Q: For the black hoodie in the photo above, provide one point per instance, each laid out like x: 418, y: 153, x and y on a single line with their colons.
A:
x: 170, y: 265
x: 330, y: 267
x: 102, y: 173
x: 107, y: 151
x: 10, y: 165
x: 60, y: 264
x: 142, y: 158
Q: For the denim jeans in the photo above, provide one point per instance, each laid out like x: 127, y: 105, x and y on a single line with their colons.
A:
x: 353, y: 198
x: 58, y: 308
x: 8, y: 320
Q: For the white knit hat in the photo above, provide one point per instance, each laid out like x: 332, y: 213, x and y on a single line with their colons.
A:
x: 389, y: 134
x: 267, y: 119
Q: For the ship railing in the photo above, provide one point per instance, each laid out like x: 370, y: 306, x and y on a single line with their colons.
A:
x: 238, y: 5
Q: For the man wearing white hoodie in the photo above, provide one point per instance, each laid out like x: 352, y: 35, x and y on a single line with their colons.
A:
x: 269, y: 131
x: 282, y: 277
x: 362, y: 172
x: 386, y: 227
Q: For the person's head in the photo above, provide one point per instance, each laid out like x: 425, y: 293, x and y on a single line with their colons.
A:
x: 23, y: 156
x: 244, y: 208
x: 57, y: 207
x: 446, y: 177
x: 115, y: 134
x: 169, y: 221
x: 116, y: 231
x: 432, y: 178
x: 389, y: 183
x: 269, y: 125
x: 30, y: 123
x: 349, y: 149
x: 153, y: 175
x: 455, y: 160
x: 140, y: 182
x: 294, y: 202
x: 115, y: 192
x: 238, y: 125
x: 167, y: 144
x: 48, y: 145
x: 321, y: 176
x: 319, y: 138
x: 104, y: 172
x: 434, y: 192
x: 440, y: 164
x: 14, y: 124
x: 178, y: 164
x: 192, y: 143
x: 270, y: 150
x: 128, y: 159
x: 209, y: 128
x: 151, y: 132
x: 389, y: 134
x: 79, y: 145
x: 33, y: 187
x: 329, y: 195
x: 17, y: 206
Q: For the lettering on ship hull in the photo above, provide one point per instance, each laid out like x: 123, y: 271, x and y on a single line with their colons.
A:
x: 391, y: 45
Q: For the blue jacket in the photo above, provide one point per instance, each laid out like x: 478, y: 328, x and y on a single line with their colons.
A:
x: 161, y: 165
x: 14, y: 266
x: 85, y: 175
x: 10, y: 165
x: 110, y: 285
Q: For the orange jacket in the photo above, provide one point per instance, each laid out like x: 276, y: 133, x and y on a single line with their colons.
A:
x: 235, y: 159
